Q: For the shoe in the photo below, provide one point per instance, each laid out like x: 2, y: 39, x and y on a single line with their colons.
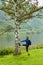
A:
x: 28, y: 54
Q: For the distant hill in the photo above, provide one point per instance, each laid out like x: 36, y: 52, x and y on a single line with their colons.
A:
x: 33, y: 28
x: 33, y: 24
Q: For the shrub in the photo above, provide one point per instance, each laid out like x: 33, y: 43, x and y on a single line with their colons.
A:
x: 6, y: 51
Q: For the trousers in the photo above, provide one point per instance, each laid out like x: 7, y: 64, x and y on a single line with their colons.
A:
x: 26, y: 48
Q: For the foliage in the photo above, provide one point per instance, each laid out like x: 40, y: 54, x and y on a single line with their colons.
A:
x: 6, y: 51
x: 19, y: 9
x: 38, y: 46
x: 10, y: 50
x: 7, y: 29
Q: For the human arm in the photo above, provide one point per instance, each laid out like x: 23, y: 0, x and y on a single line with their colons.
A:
x: 23, y: 41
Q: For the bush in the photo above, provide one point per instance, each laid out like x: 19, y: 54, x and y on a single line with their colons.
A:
x: 6, y: 51
x: 38, y: 46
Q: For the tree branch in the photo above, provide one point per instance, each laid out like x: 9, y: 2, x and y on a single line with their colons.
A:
x: 37, y: 16
x: 28, y: 15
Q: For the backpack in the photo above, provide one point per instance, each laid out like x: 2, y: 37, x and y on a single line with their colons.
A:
x: 29, y: 43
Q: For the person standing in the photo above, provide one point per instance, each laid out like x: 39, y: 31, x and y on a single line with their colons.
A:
x: 28, y: 43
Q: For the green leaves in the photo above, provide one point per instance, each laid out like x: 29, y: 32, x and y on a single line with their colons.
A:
x: 19, y: 9
x: 7, y: 29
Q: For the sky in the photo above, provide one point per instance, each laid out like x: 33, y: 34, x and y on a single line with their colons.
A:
x: 40, y: 2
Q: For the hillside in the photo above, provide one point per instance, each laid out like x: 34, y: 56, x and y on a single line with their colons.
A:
x: 33, y: 28
x: 34, y: 24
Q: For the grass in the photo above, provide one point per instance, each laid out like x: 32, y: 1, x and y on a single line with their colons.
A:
x: 35, y: 58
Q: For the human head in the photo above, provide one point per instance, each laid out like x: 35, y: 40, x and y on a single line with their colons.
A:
x: 27, y: 37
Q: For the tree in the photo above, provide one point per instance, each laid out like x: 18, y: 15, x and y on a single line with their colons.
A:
x: 19, y: 10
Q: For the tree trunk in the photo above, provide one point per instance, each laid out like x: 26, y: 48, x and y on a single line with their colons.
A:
x: 17, y: 39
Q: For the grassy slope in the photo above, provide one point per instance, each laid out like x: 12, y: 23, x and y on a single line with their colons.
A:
x: 35, y: 58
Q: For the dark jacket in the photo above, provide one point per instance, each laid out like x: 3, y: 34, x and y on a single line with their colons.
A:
x: 28, y: 42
